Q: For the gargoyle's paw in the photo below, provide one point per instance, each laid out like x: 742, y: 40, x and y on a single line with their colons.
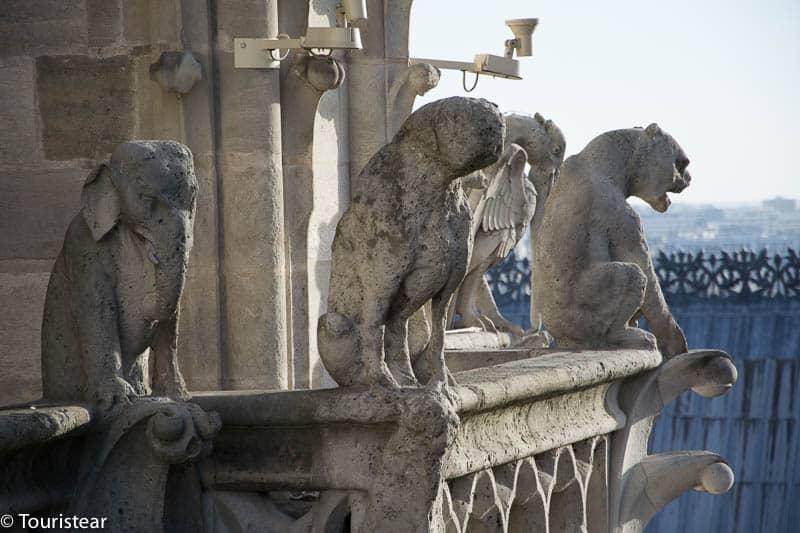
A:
x: 500, y: 324
x: 634, y: 338
x: 111, y: 395
x: 534, y: 339
x: 383, y: 378
x: 441, y: 379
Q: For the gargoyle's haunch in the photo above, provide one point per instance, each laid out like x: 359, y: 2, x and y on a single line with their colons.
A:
x: 591, y: 249
x: 116, y: 285
x: 404, y: 240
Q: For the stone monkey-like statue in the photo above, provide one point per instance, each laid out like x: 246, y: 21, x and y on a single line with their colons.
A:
x: 591, y: 253
x: 116, y: 285
x: 404, y: 240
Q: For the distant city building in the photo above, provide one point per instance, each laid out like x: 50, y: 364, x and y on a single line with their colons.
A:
x: 774, y: 225
x: 785, y: 205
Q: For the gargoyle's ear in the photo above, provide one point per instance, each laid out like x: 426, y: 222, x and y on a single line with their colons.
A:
x: 100, y: 202
x: 652, y: 130
x: 539, y: 118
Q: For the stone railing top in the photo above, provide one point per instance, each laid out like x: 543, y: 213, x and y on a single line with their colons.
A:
x: 478, y: 390
x: 548, y: 375
x: 25, y: 426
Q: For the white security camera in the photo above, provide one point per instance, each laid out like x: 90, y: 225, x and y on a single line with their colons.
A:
x: 487, y: 64
x: 355, y: 10
x: 523, y: 37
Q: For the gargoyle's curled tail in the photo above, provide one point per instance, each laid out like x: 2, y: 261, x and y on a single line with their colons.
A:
x: 339, y: 348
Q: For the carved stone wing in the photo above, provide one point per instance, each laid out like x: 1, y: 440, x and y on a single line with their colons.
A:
x: 510, y: 200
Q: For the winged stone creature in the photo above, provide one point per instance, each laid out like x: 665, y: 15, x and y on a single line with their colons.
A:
x: 511, y: 201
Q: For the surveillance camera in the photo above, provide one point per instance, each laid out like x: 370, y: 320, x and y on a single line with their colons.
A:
x: 331, y: 39
x: 355, y: 10
x: 523, y: 37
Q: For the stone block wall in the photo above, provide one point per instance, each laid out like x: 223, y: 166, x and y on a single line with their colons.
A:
x: 75, y: 82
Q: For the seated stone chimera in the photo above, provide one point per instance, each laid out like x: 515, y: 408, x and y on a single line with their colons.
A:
x: 591, y: 253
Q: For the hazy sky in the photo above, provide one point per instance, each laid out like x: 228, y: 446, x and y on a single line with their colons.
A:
x: 723, y: 77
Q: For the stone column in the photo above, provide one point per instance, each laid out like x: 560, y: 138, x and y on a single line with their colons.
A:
x: 304, y: 79
x: 373, y: 73
x: 251, y: 203
x: 200, y: 342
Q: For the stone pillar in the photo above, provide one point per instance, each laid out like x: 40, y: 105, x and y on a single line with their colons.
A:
x: 200, y: 347
x: 304, y: 80
x: 372, y: 73
x: 251, y: 203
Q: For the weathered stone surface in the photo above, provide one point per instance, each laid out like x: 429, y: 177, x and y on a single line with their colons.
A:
x: 250, y: 167
x: 199, y: 344
x: 116, y: 286
x: 19, y: 141
x: 405, y: 239
x: 124, y: 474
x: 87, y: 105
x: 304, y: 81
x: 345, y: 439
x: 39, y: 204
x: 22, y: 287
x: 104, y: 22
x: 27, y: 426
x: 591, y: 252
x: 136, y: 21
x: 36, y: 27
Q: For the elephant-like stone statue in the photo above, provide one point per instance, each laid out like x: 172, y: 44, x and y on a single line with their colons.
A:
x: 116, y: 285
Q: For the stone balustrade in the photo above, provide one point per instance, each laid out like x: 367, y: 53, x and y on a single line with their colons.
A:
x: 553, y: 441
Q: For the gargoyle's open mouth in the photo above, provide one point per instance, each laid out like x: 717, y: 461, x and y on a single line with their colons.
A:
x: 681, y: 182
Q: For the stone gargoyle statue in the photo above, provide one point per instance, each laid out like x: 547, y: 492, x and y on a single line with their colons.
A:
x: 502, y: 212
x: 404, y: 240
x: 591, y: 252
x: 116, y: 285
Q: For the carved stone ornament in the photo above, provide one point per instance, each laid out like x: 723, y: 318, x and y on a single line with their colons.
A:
x: 176, y: 72
x: 591, y: 247
x: 404, y: 240
x: 643, y: 484
x: 116, y: 285
x: 125, y: 468
x: 506, y: 204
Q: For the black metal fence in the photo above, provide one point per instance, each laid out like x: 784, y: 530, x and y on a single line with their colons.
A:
x: 743, y: 276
